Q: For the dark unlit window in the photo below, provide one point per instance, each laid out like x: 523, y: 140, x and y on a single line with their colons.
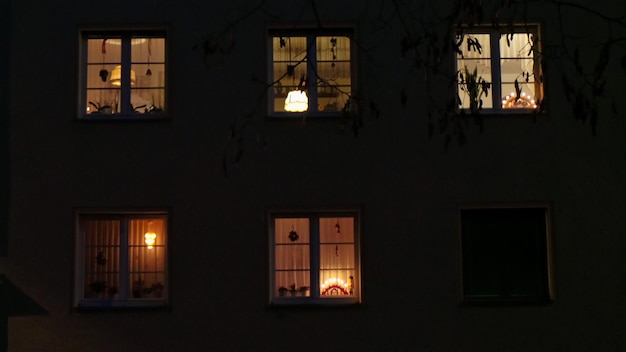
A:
x: 505, y: 254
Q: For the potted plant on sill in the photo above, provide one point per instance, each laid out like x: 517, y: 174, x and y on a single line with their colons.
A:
x: 101, y: 109
x: 304, y: 291
x: 282, y: 291
x: 475, y: 87
x: 97, y: 288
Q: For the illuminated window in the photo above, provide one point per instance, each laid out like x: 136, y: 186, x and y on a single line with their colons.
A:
x: 315, y: 257
x: 311, y: 71
x: 122, y: 75
x: 121, y: 259
x: 505, y: 254
x: 499, y: 70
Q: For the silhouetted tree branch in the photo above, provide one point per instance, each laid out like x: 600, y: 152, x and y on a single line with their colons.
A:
x: 433, y: 32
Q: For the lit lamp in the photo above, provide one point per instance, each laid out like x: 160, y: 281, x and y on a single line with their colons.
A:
x: 116, y: 76
x: 297, y: 101
x: 150, y: 239
x: 524, y: 101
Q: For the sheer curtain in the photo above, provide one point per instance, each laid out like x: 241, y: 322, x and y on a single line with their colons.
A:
x: 105, y: 247
x: 337, y: 266
x: 292, y: 255
x: 102, y: 257
x: 147, y: 265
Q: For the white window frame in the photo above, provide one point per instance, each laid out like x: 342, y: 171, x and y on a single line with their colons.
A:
x: 311, y: 33
x: 126, y: 36
x: 495, y: 91
x: 314, y: 246
x: 125, y: 299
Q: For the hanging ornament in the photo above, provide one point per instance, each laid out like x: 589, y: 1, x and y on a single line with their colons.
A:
x: 104, y: 73
x: 101, y: 259
x: 148, y: 71
x: 338, y: 228
x: 293, y: 235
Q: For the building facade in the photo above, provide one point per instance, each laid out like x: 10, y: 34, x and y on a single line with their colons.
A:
x: 164, y: 195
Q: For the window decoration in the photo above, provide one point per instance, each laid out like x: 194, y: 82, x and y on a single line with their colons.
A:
x: 315, y: 258
x: 121, y: 259
x: 123, y: 74
x: 499, y: 70
x: 505, y: 254
x: 311, y: 71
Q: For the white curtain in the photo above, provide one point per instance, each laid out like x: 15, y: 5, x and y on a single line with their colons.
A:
x: 337, y: 264
x: 292, y: 253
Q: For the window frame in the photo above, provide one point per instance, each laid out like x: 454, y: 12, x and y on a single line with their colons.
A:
x: 496, y: 87
x: 311, y: 33
x: 124, y: 216
x: 125, y: 34
x: 510, y: 298
x: 314, y: 299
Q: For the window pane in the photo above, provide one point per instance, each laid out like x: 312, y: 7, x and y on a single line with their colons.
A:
x: 147, y: 239
x: 504, y: 252
x: 334, y: 71
x: 517, y: 63
x: 289, y: 66
x: 337, y: 253
x: 292, y: 256
x: 337, y: 283
x: 476, y: 56
x: 148, y: 66
x: 340, y: 230
x: 102, y: 251
x: 102, y: 59
x: 471, y: 45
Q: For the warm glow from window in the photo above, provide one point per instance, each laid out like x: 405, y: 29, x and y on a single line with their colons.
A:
x: 116, y: 77
x: 508, y: 62
x: 324, y: 61
x: 107, y: 56
x: 150, y: 239
x: 122, y: 259
x: 296, y: 101
x: 315, y: 258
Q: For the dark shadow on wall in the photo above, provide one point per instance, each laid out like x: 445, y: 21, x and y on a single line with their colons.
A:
x: 13, y: 303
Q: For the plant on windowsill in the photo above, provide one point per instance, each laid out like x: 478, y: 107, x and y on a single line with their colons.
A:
x: 145, y: 109
x: 282, y: 291
x: 101, y: 109
x: 475, y: 87
x: 140, y: 290
x: 156, y: 290
x: 97, y: 288
x: 304, y: 291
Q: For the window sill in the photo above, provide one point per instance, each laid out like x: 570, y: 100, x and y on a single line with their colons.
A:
x: 123, y: 117
x: 506, y: 301
x: 309, y: 301
x: 504, y: 113
x: 299, y: 116
x: 314, y: 304
x: 96, y: 305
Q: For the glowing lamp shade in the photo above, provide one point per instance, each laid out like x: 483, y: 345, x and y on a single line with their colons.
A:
x: 296, y: 101
x: 150, y: 239
x: 116, y: 76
